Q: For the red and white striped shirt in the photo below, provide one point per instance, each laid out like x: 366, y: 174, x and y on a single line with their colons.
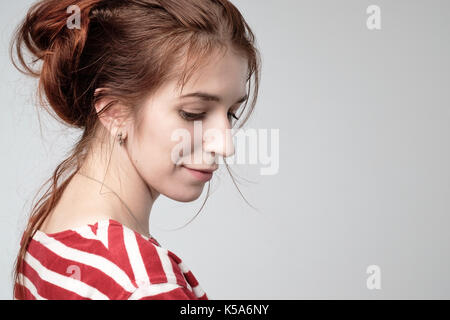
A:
x: 105, y: 260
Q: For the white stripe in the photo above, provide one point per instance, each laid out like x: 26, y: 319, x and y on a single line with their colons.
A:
x: 30, y: 286
x: 102, y: 232
x: 166, y: 264
x: 153, y: 289
x: 188, y: 286
x: 184, y: 268
x: 135, y: 257
x: 85, y: 232
x: 198, y: 291
x: 68, y: 283
x: 90, y: 259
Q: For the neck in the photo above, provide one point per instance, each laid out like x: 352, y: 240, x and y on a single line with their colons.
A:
x: 124, y: 193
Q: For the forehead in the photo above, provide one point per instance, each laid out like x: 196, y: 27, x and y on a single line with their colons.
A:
x: 224, y: 74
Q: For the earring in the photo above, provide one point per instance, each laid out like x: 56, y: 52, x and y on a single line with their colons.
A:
x: 121, y: 140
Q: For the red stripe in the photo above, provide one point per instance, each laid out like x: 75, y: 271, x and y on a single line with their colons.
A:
x: 27, y: 293
x: 91, y: 276
x: 203, y: 297
x: 94, y: 227
x: 191, y: 279
x: 118, y: 250
x: 181, y: 280
x: 74, y: 240
x: 180, y: 274
x: 174, y: 257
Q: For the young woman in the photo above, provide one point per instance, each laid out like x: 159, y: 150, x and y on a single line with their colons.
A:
x: 132, y: 75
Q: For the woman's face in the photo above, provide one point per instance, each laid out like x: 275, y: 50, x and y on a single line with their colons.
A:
x: 165, y: 146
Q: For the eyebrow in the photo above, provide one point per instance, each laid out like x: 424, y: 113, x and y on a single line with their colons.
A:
x: 210, y: 97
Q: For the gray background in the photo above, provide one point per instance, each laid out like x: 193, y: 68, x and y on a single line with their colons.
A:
x: 364, y: 159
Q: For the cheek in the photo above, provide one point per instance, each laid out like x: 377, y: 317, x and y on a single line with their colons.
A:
x: 154, y: 148
x: 153, y: 160
x: 188, y: 145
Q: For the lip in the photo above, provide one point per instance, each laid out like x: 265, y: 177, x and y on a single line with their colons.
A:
x: 202, y: 175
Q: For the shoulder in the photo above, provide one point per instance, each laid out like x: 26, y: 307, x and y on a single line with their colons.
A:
x: 108, y: 260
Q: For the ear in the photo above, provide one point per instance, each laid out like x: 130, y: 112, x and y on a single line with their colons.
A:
x: 112, y: 119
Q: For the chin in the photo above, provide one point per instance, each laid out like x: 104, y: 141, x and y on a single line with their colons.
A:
x: 188, y: 194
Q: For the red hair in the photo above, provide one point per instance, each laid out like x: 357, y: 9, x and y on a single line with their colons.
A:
x: 127, y: 47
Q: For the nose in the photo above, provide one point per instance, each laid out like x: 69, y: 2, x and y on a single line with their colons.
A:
x: 219, y: 139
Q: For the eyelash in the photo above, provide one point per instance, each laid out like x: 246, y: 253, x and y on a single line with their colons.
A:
x: 196, y: 116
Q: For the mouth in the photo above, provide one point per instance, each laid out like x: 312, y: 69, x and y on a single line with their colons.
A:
x: 201, y: 175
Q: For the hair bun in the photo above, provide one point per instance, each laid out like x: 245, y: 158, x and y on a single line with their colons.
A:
x: 46, y: 34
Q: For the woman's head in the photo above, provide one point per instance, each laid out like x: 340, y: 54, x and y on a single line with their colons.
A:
x: 139, y: 55
x: 125, y: 70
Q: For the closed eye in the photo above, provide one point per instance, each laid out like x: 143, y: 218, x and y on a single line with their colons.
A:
x: 197, y: 116
x: 191, y: 116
